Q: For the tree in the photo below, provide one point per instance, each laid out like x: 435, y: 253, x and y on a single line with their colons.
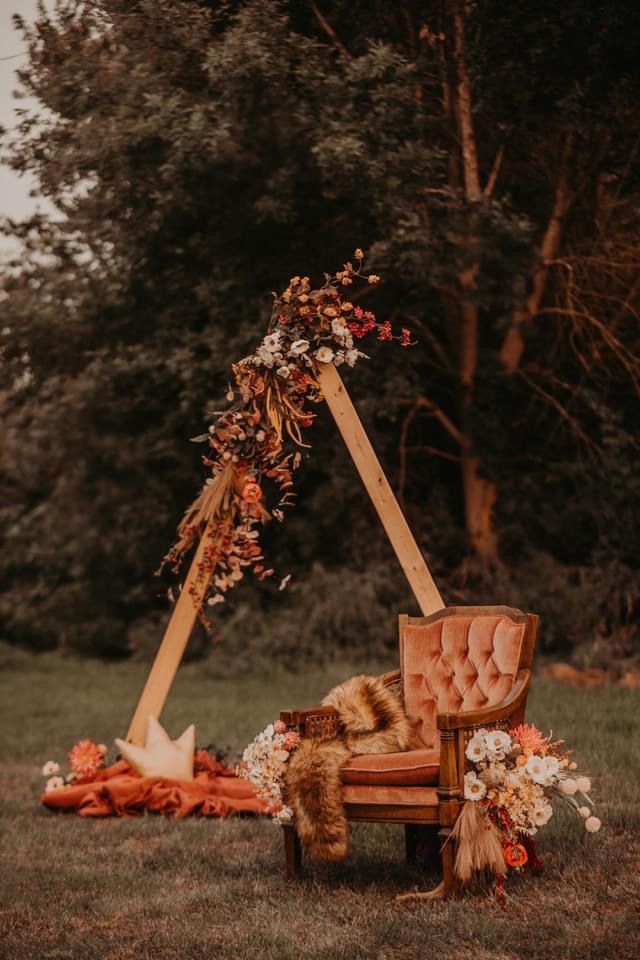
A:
x: 199, y: 154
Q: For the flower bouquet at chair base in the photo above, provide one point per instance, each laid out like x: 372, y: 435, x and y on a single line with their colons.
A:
x: 509, y: 787
x: 263, y: 764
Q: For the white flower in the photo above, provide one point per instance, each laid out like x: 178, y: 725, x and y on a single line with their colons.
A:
x: 584, y: 812
x: 324, y: 355
x: 536, y: 769
x: 50, y: 768
x: 542, y: 813
x: 272, y: 342
x: 592, y: 824
x: 551, y: 766
x: 260, y: 435
x: 583, y: 784
x: 351, y: 357
x: 497, y: 743
x: 266, y: 356
x: 339, y: 328
x: 338, y: 360
x: 57, y: 783
x: 476, y: 749
x: 298, y: 347
x: 494, y: 774
x: 568, y: 786
x: 474, y: 788
x: 283, y: 371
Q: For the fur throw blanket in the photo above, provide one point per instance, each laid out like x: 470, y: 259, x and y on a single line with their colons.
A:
x: 372, y: 720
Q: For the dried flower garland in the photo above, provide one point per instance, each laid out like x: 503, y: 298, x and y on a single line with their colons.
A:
x: 253, y: 442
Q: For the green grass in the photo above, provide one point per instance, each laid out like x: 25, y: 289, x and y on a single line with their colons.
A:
x: 201, y: 888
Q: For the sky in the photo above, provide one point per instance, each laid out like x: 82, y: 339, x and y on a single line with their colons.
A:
x: 14, y: 191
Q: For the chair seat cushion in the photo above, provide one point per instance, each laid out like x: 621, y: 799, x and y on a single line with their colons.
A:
x: 412, y: 768
x: 354, y: 796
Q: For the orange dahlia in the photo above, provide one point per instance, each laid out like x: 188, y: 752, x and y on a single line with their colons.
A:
x: 85, y: 759
x: 530, y: 738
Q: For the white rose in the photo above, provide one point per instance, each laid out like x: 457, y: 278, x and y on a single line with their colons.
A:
x: 298, y: 347
x: 592, y: 824
x: 50, y: 768
x: 324, y: 355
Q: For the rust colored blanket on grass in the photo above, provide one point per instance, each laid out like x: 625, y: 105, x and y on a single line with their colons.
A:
x: 214, y: 792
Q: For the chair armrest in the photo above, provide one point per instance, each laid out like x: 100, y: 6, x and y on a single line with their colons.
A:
x: 323, y: 721
x: 500, y: 711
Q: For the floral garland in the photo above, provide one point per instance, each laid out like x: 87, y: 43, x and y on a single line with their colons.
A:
x: 263, y: 764
x: 513, y: 778
x: 254, y: 440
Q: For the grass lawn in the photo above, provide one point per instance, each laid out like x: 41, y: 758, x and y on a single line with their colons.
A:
x: 132, y: 889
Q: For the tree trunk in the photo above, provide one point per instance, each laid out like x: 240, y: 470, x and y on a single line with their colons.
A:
x: 479, y: 493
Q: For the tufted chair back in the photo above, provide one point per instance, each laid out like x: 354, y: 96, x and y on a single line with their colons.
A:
x: 461, y: 658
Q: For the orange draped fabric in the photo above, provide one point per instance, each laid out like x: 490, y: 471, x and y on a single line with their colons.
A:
x: 215, y: 791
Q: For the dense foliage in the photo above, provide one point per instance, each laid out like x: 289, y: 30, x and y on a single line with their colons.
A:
x: 199, y: 154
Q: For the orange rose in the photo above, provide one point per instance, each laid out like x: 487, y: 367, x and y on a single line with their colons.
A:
x: 515, y: 855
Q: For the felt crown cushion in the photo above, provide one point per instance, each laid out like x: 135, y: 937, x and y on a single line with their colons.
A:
x: 161, y: 756
x: 456, y: 663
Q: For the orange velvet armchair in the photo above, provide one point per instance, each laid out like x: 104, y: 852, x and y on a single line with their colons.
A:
x: 460, y: 669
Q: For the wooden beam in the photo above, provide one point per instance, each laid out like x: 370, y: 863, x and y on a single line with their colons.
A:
x: 180, y: 625
x: 378, y: 488
x: 172, y: 647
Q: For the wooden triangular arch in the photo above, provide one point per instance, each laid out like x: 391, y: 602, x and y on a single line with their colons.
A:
x: 167, y: 661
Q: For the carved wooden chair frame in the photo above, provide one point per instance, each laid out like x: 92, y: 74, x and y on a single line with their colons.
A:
x: 441, y: 805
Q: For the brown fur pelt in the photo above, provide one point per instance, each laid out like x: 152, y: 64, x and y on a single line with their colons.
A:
x: 371, y: 720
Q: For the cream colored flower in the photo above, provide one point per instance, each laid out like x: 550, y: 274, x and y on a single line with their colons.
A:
x: 584, y: 812
x: 54, y: 783
x: 536, y: 769
x: 551, y: 766
x: 542, y: 813
x: 266, y: 356
x: 50, y: 768
x: 351, y: 356
x: 272, y: 342
x: 283, y: 372
x: 324, y: 355
x: 298, y: 347
x: 474, y: 788
x: 374, y: 278
x: 339, y: 328
x: 568, y: 786
x: 498, y: 743
x: 346, y: 307
x: 476, y: 749
x: 584, y: 784
x: 592, y: 824
x: 359, y: 253
x: 330, y: 312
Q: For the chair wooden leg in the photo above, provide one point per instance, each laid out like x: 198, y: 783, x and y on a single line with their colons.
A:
x: 292, y: 851
x: 411, y: 842
x: 447, y: 853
